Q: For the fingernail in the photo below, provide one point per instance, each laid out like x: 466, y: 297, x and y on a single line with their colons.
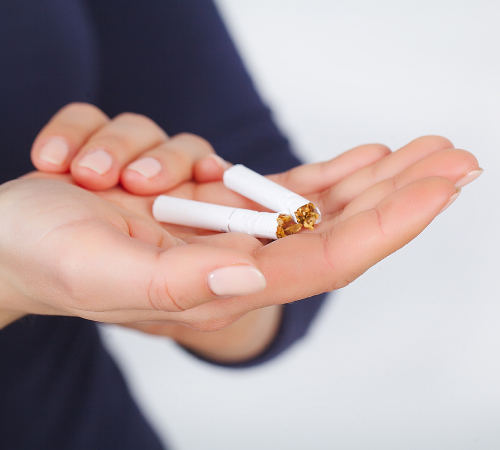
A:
x: 451, y: 200
x: 147, y: 167
x: 471, y: 176
x: 55, y: 151
x: 98, y: 160
x: 220, y: 162
x: 236, y: 280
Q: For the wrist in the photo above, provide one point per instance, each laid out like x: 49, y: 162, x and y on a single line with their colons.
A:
x: 241, y: 341
x: 7, y: 313
x: 7, y: 317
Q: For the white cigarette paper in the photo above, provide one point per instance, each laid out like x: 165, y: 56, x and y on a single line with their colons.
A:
x: 267, y: 193
x: 208, y: 216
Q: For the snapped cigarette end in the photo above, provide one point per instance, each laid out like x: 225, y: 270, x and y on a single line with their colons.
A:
x: 307, y: 216
x: 286, y: 226
x: 267, y: 193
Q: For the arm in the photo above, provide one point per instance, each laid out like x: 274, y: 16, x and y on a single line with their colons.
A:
x: 176, y: 63
x: 253, y: 138
x: 344, y: 188
x: 373, y: 203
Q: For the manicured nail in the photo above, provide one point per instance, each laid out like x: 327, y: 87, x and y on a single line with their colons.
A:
x: 236, y: 280
x: 147, y: 167
x: 451, y: 200
x: 471, y: 176
x: 220, y: 162
x: 98, y: 160
x: 55, y: 151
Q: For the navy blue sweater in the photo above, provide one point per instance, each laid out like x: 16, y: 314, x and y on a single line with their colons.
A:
x: 174, y: 62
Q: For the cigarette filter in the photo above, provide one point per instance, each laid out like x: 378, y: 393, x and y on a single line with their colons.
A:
x: 222, y: 218
x: 267, y: 193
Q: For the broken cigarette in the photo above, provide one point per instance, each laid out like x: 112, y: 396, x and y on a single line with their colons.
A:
x: 267, y: 193
x: 208, y: 216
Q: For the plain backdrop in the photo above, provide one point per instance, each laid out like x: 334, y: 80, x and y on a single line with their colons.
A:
x: 408, y: 356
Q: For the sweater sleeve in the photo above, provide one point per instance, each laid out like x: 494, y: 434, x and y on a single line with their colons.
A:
x: 174, y: 61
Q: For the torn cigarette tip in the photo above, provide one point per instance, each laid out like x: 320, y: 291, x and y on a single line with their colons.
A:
x: 208, y: 216
x: 267, y: 193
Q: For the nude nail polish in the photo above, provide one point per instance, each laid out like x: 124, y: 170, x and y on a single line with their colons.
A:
x: 236, y: 280
x: 148, y: 167
x: 451, y: 200
x: 55, y: 151
x: 97, y: 160
x: 471, y: 176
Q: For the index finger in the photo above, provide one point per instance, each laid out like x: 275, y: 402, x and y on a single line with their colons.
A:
x: 65, y: 133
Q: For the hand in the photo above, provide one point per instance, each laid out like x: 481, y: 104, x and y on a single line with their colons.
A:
x: 373, y: 202
x: 97, y: 151
x: 65, y: 251
x: 337, y: 187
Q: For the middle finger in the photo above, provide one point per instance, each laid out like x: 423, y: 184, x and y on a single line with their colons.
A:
x: 99, y: 163
x: 452, y: 164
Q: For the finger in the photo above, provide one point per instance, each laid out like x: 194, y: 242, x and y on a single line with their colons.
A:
x: 452, y: 164
x: 166, y: 166
x: 339, y: 195
x: 64, y: 135
x: 210, y: 168
x: 312, y: 178
x: 99, y: 162
x: 117, y: 274
x: 314, y: 263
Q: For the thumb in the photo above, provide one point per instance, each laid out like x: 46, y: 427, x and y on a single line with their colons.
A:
x: 113, y: 276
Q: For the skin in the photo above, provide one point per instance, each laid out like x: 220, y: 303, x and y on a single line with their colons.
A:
x: 100, y: 255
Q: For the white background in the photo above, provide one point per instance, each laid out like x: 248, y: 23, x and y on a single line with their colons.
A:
x: 408, y: 356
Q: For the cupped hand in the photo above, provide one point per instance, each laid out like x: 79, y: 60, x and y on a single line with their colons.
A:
x: 65, y: 251
x: 373, y: 202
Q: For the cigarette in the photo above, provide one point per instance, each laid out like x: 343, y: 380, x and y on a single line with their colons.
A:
x: 208, y: 216
x: 267, y: 193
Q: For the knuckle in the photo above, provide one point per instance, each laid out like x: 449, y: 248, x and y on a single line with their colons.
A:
x: 332, y: 282
x: 132, y: 117
x: 379, y: 213
x: 165, y: 295
x: 159, y: 296
x: 75, y: 111
x: 141, y: 122
x: 195, y: 141
x: 112, y: 140
x: 179, y: 162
